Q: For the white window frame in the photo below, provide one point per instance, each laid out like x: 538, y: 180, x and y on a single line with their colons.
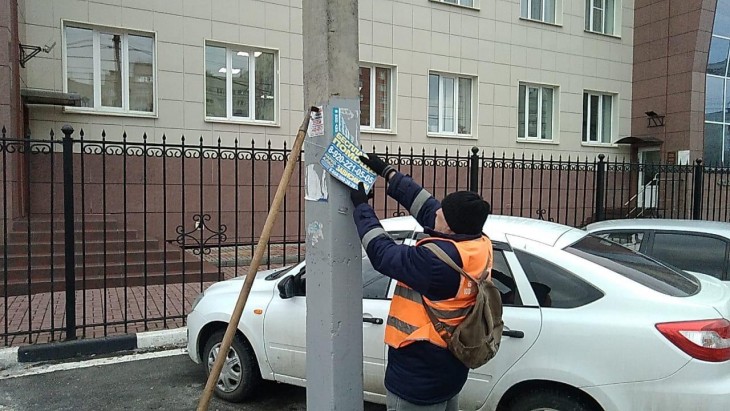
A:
x: 96, y: 57
x: 391, y: 113
x: 557, y: 19
x: 525, y: 120
x: 455, y: 77
x: 460, y: 3
x: 251, y: 50
x: 599, y: 127
x: 591, y: 23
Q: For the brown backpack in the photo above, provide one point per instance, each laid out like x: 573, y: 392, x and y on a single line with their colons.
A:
x: 475, y: 340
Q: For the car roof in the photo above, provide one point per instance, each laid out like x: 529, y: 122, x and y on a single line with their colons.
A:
x: 499, y: 228
x: 712, y: 227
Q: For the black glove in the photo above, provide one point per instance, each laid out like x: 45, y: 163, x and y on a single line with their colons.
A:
x: 376, y: 164
x: 359, y: 196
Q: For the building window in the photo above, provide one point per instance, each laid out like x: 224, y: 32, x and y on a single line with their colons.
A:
x: 112, y: 70
x: 717, y: 92
x: 240, y: 83
x: 376, y: 94
x: 600, y: 16
x: 540, y: 10
x: 465, y: 3
x: 535, y: 112
x: 449, y: 104
x: 597, y: 117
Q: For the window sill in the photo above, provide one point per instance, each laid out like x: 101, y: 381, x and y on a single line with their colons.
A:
x: 536, y: 141
x: 455, y: 5
x: 242, y: 122
x: 601, y: 145
x: 541, y: 22
x: 377, y: 131
x: 97, y: 112
x: 452, y: 136
x: 598, y: 33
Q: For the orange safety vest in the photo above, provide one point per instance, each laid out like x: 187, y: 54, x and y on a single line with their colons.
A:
x: 408, y: 321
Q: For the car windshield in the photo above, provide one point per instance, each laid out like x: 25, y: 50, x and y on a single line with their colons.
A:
x: 635, y: 266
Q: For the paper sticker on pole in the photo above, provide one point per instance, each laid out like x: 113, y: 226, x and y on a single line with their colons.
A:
x: 316, y: 188
x: 340, y: 116
x: 316, y: 123
x: 342, y: 161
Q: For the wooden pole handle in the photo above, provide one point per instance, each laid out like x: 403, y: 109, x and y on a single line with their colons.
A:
x: 255, y: 262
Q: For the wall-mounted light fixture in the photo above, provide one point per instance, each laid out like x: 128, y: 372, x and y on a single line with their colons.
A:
x: 655, y: 120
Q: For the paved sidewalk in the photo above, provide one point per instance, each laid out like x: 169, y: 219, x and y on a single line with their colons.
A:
x: 142, y: 309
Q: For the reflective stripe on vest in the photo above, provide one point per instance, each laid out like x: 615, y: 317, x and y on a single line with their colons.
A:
x: 408, y: 321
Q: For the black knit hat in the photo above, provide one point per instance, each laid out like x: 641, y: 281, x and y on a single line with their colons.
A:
x: 465, y: 212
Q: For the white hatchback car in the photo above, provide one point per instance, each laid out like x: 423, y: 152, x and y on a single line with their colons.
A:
x: 692, y: 245
x: 589, y: 325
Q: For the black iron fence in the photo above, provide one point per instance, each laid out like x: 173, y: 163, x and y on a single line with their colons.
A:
x: 109, y: 236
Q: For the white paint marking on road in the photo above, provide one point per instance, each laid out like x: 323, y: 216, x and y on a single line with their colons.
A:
x: 45, y: 369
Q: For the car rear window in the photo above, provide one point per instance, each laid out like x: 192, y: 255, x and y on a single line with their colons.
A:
x: 635, y: 266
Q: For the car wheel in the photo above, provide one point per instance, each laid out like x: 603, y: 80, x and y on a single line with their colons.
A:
x: 549, y: 400
x: 240, y: 374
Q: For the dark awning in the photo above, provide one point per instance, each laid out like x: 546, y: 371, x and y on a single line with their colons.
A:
x: 48, y: 97
x: 640, y: 141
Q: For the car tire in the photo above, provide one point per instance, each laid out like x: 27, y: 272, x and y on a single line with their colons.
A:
x: 240, y: 376
x: 549, y: 400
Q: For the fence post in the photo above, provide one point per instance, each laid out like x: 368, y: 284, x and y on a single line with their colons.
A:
x: 600, y: 202
x: 697, y: 190
x: 68, y: 226
x: 474, y: 170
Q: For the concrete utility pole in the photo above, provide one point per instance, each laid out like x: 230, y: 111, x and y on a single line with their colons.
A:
x: 334, y: 259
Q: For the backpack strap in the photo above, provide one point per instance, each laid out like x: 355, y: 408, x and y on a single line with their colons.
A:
x: 441, y: 254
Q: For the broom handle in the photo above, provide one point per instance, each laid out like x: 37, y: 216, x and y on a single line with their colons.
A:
x: 255, y: 262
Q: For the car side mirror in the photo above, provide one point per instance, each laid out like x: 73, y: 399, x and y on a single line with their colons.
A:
x: 287, y: 287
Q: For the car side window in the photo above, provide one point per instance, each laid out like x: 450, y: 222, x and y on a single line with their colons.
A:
x: 629, y: 239
x: 554, y: 286
x: 374, y: 284
x: 504, y: 281
x: 691, y: 252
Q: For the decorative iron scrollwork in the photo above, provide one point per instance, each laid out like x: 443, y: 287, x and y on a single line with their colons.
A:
x: 206, y: 238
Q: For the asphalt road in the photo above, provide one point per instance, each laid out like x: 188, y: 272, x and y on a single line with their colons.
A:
x: 169, y: 383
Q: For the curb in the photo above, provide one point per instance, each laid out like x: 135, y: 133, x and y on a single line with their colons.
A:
x: 79, y: 349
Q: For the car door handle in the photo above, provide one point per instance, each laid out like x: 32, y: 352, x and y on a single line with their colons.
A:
x: 513, y: 333
x: 372, y: 320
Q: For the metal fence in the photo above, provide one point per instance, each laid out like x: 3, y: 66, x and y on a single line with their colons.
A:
x: 103, y: 237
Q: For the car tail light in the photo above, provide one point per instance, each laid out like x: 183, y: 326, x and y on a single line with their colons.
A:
x: 706, y: 340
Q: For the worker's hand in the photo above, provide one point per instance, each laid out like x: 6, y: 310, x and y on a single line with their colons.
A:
x: 377, y: 165
x: 359, y: 196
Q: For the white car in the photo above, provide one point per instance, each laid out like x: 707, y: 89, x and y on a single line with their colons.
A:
x: 692, y: 245
x: 589, y: 325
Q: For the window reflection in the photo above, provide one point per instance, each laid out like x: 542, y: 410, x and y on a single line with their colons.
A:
x: 80, y: 64
x: 717, y: 90
x: 713, y: 143
x: 215, y: 81
x: 264, y: 86
x: 722, y: 18
x: 717, y: 60
x: 240, y: 83
x: 112, y: 70
x: 365, y: 96
x: 141, y: 74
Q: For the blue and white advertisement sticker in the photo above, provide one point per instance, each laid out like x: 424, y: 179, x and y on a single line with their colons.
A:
x: 342, y: 161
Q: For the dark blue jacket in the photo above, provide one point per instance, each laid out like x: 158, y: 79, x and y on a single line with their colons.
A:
x: 421, y: 373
